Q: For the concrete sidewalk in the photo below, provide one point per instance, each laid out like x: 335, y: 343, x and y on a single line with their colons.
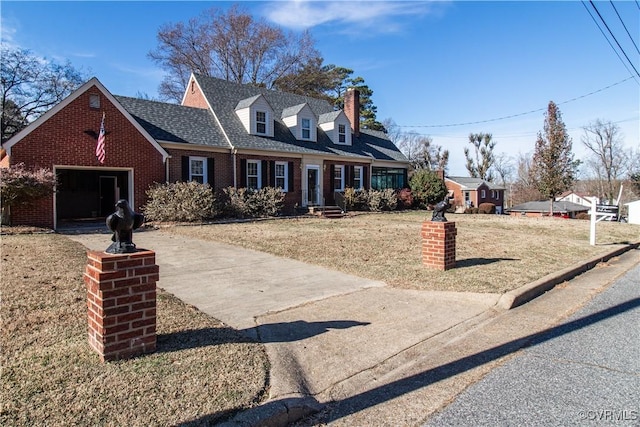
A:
x: 349, y: 345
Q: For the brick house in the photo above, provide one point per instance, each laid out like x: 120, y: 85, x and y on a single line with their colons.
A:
x: 471, y: 192
x: 222, y: 133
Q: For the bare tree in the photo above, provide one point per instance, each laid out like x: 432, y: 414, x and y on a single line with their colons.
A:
x: 611, y: 162
x: 229, y: 45
x: 480, y: 167
x: 524, y: 188
x: 31, y: 86
x: 553, y: 169
x: 503, y: 165
x: 422, y: 152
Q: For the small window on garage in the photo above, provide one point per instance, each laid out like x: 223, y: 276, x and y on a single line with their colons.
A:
x: 94, y: 101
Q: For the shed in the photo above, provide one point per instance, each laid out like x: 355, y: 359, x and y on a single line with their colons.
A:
x: 634, y: 212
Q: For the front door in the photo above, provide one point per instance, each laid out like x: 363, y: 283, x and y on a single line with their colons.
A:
x: 313, y: 185
x: 108, y: 195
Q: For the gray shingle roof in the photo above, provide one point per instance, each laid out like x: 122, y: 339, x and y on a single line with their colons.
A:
x: 224, y: 96
x: 543, y: 206
x: 469, y: 183
x: 175, y: 123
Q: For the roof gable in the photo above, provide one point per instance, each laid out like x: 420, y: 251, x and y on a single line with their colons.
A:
x: 93, y: 82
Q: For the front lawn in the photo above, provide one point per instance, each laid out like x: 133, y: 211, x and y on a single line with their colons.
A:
x: 201, y: 373
x: 494, y: 253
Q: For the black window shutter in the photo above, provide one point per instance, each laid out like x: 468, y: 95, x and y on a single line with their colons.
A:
x: 272, y: 173
x: 290, y: 177
x: 351, y: 175
x: 365, y: 178
x: 265, y: 174
x: 210, y: 172
x: 405, y: 174
x: 243, y: 173
x: 185, y: 168
x: 332, y: 175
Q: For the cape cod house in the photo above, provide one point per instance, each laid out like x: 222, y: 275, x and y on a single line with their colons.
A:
x: 223, y: 133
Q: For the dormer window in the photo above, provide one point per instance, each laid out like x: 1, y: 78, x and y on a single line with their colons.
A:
x: 261, y: 122
x: 306, y: 128
x: 342, y: 134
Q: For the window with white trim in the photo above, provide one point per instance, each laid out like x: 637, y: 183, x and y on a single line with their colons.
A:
x: 483, y: 193
x: 338, y: 178
x: 305, y: 125
x: 198, y: 169
x: 281, y: 173
x: 357, y: 178
x: 342, y: 134
x: 253, y: 174
x: 261, y: 122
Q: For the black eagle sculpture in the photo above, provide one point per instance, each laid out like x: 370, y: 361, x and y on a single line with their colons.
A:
x: 438, y: 211
x: 122, y: 222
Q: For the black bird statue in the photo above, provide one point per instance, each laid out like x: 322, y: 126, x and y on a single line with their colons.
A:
x: 439, y: 209
x: 122, y: 222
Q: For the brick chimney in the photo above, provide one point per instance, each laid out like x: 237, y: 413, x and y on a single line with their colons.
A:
x: 352, y: 109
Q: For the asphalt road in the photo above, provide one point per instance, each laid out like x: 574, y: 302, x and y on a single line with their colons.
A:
x: 585, y: 371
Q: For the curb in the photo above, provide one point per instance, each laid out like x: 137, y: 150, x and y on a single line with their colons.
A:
x: 526, y: 293
x: 277, y: 413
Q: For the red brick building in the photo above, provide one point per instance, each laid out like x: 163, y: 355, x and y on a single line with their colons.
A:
x: 223, y: 133
x: 471, y: 192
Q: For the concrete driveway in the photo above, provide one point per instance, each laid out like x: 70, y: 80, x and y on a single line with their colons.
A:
x: 320, y: 327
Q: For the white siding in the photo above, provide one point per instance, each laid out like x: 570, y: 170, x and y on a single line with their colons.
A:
x: 245, y: 117
x: 331, y: 129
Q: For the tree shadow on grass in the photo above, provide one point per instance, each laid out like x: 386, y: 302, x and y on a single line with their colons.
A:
x: 474, y: 262
x: 267, y: 333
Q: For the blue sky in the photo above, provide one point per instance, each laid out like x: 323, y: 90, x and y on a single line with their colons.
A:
x: 428, y: 63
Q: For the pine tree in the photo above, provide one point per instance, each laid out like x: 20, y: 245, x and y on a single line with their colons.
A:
x: 553, y: 169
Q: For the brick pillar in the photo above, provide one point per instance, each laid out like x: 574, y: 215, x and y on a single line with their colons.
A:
x: 121, y: 303
x: 439, y: 244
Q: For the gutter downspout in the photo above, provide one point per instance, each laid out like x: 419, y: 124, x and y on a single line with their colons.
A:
x: 234, y: 152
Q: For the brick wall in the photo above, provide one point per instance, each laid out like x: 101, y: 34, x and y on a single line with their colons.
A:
x: 439, y: 244
x: 121, y: 303
x: 194, y: 97
x: 292, y: 197
x: 223, y: 166
x: 63, y: 140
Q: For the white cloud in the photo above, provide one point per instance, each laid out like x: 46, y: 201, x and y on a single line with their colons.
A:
x: 8, y: 31
x: 378, y: 15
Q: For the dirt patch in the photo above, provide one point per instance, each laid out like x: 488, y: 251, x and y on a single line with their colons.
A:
x: 202, y: 372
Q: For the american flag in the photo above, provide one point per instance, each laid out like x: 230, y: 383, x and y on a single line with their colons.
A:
x: 100, y: 154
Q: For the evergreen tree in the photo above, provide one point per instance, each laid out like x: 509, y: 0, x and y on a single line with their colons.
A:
x: 484, y: 158
x: 553, y: 168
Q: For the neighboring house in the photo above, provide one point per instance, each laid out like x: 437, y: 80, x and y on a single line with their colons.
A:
x: 634, y: 212
x: 471, y: 192
x: 541, y: 208
x: 223, y: 133
x: 580, y: 199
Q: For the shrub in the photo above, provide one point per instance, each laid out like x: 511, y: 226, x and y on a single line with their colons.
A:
x: 487, y: 208
x: 355, y: 200
x: 245, y: 203
x: 21, y: 186
x: 180, y: 201
x: 405, y: 199
x: 583, y: 215
x: 427, y: 188
x: 267, y: 201
x: 382, y: 200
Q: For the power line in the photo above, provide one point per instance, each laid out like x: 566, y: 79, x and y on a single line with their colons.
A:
x: 614, y: 37
x: 519, y: 114
x: 625, y: 27
x: 607, y: 38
